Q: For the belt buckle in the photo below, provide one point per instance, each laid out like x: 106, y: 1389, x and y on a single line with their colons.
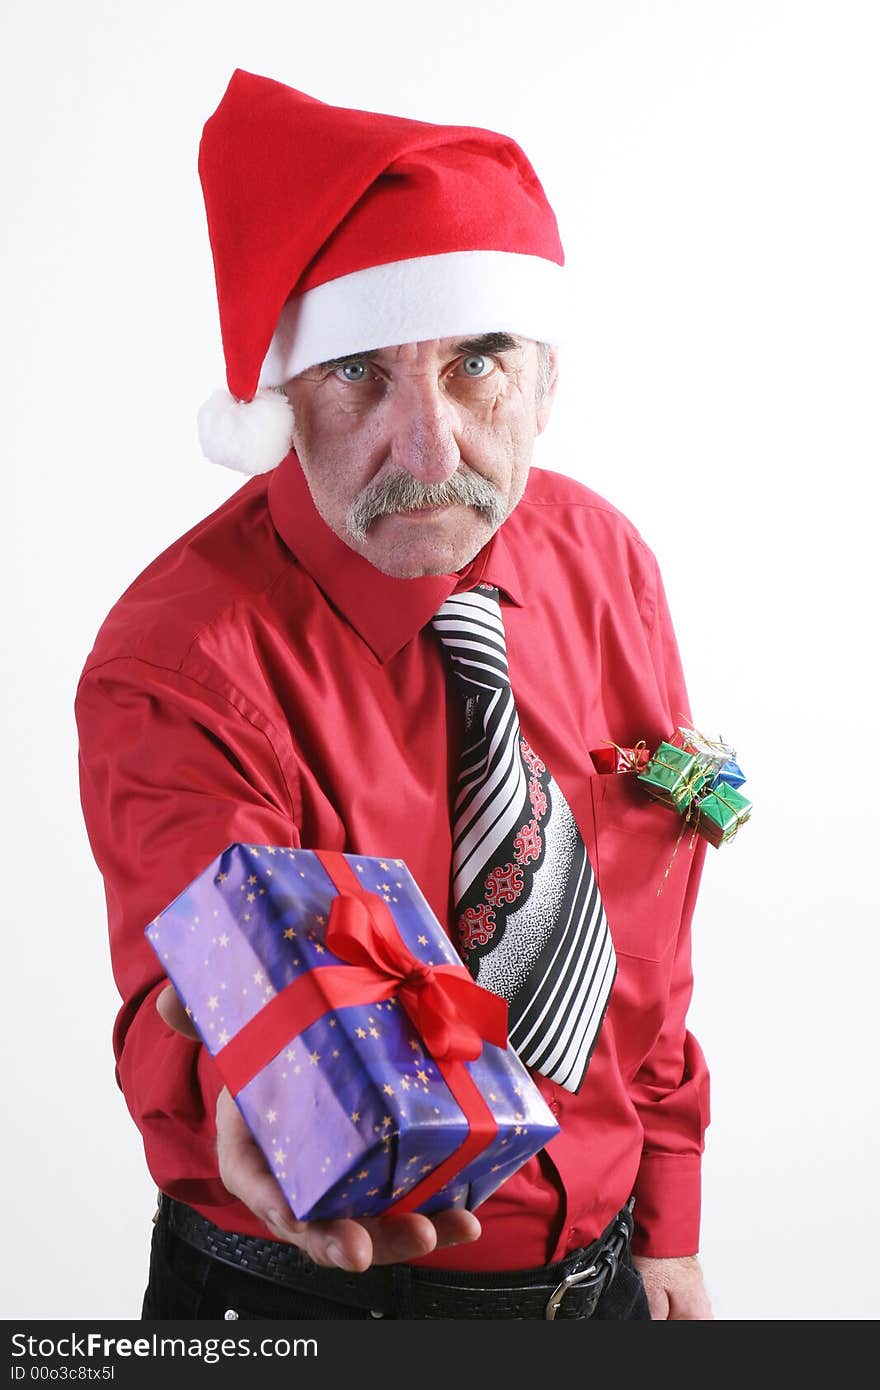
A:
x: 609, y: 1256
x: 558, y: 1294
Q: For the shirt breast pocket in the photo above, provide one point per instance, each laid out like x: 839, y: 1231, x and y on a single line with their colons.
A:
x: 641, y: 860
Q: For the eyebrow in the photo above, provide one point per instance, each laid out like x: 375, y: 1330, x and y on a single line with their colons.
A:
x: 488, y: 343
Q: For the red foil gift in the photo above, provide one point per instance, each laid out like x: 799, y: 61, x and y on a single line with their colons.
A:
x: 612, y: 758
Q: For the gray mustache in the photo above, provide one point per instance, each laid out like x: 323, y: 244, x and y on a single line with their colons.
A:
x: 401, y: 492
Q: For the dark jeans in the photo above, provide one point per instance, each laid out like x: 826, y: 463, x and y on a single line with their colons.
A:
x: 185, y: 1283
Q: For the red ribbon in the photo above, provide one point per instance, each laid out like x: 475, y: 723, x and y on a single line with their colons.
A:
x: 450, y: 1011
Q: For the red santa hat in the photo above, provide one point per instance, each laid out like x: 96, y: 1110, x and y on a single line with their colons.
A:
x: 334, y: 231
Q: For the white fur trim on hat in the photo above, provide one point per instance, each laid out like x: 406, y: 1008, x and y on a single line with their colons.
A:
x: 249, y: 436
x: 411, y: 301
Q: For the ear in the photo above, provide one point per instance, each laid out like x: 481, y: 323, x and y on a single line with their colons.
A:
x: 546, y: 403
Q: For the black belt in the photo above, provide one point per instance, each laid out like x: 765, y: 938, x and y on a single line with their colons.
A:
x: 571, y: 1288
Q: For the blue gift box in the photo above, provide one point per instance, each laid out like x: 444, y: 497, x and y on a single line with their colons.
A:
x: 731, y: 773
x: 353, y: 1111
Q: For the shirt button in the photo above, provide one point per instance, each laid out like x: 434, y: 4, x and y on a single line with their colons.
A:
x: 555, y: 1107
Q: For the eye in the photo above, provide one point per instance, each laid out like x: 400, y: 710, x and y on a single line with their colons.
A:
x: 352, y: 371
x: 476, y: 365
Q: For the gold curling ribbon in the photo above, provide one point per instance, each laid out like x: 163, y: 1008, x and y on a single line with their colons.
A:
x: 740, y: 821
x: 684, y: 822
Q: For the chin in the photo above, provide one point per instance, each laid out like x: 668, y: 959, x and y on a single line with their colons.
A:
x: 406, y: 554
x: 414, y: 568
x: 413, y: 562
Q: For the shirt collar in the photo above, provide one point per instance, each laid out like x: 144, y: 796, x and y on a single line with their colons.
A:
x: 386, y: 612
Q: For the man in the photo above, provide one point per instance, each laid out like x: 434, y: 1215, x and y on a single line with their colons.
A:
x: 296, y: 671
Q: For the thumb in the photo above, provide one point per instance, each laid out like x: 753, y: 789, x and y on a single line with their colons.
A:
x: 170, y: 1007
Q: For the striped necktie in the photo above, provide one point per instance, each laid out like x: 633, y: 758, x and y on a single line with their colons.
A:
x: 530, y: 919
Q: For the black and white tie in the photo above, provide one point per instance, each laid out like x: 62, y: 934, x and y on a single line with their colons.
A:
x: 530, y: 920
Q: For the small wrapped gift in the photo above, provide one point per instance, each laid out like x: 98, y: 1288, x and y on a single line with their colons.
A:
x: 613, y: 758
x: 675, y: 776
x: 711, y: 753
x: 372, y: 1070
x: 721, y: 812
x: 731, y: 773
x: 715, y: 755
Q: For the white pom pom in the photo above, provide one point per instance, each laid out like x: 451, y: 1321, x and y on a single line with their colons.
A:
x: 249, y: 436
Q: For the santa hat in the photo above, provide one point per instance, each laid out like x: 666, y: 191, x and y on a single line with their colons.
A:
x: 335, y: 231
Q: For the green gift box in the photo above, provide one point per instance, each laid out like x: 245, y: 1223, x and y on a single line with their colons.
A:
x: 721, y: 812
x: 675, y: 776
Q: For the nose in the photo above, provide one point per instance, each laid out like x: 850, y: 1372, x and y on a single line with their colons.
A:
x: 421, y: 423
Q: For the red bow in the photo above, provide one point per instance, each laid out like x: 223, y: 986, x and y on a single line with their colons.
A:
x: 453, y: 1015
x: 450, y: 1011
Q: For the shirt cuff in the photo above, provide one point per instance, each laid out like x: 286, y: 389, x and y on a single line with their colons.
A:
x: 667, y: 1206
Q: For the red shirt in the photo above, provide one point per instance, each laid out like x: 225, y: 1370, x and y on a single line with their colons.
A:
x: 262, y: 682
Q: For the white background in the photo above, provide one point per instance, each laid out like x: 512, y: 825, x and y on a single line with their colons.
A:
x: 714, y: 171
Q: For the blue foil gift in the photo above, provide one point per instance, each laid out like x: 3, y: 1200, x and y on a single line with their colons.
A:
x: 731, y: 773
x: 371, y: 1069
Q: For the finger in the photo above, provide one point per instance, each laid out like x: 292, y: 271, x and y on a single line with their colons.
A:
x: 400, y: 1238
x: 244, y: 1173
x: 342, y: 1244
x: 172, y: 1010
x: 456, y: 1227
x: 355, y: 1245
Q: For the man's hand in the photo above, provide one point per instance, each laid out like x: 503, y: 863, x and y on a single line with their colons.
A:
x: 352, y: 1245
x: 675, y: 1289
